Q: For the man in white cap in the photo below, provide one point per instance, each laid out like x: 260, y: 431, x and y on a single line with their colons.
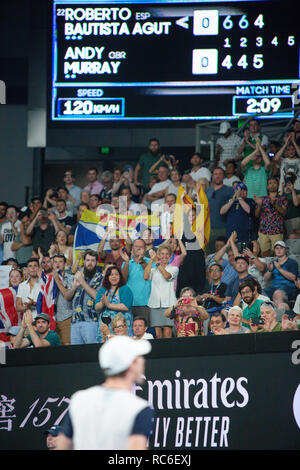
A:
x: 282, y: 272
x: 227, y: 145
x: 110, y: 416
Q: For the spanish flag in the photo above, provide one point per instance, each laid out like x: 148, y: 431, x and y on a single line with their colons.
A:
x: 201, y: 226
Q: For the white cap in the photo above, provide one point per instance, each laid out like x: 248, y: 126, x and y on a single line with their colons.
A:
x: 281, y: 243
x: 224, y: 126
x: 116, y: 355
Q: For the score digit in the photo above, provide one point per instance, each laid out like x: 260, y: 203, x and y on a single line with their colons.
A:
x: 259, y: 21
x: 243, y: 62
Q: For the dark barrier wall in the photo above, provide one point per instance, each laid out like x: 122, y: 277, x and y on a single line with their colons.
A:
x: 227, y: 392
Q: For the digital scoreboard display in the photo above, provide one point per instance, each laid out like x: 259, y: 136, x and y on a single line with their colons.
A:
x: 168, y: 60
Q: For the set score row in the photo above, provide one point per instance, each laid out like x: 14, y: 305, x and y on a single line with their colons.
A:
x: 205, y: 61
x: 207, y: 22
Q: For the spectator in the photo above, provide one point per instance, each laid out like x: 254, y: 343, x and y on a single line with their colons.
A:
x: 146, y: 161
x: 185, y: 308
x: 22, y: 246
x: 29, y: 289
x: 292, y: 217
x: 140, y: 326
x: 290, y: 163
x: 63, y: 308
x: 251, y: 134
x: 94, y: 202
x: 157, y: 194
x: 240, y: 212
x: 217, y: 324
x: 79, y: 211
x: 198, y: 171
x: 63, y: 193
x: 74, y: 191
x: 114, y: 255
x: 257, y: 264
x: 42, y: 229
x: 241, y: 267
x: 15, y: 279
x: 133, y: 274
x: 256, y: 168
x: 192, y: 271
x: 118, y: 325
x: 12, y: 334
x: 65, y: 220
x: 40, y: 335
x: 168, y: 161
x: 230, y: 172
x: 126, y: 204
x: 51, y: 436
x: 219, y: 243
x: 60, y: 247
x: 94, y: 186
x: 148, y: 237
x: 35, y: 205
x: 271, y: 210
x: 84, y: 323
x: 283, y: 271
x: 268, y: 315
x: 127, y: 181
x: 152, y: 181
x: 228, y: 262
x: 112, y: 298
x: 45, y: 263
x: 178, y: 253
x: 175, y: 179
x: 217, y: 195
x: 167, y: 216
x: 235, y: 322
x: 107, y: 181
x: 85, y: 197
x: 227, y: 146
x: 7, y: 234
x: 162, y: 294
x: 3, y: 219
x: 216, y: 295
x: 296, y: 130
x: 251, y: 297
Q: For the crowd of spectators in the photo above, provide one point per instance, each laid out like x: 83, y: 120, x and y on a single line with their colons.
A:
x: 246, y: 280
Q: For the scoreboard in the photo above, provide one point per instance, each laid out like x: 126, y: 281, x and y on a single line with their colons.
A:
x: 167, y: 60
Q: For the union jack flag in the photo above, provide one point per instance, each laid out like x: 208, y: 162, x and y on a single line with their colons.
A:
x: 8, y: 314
x: 46, y: 298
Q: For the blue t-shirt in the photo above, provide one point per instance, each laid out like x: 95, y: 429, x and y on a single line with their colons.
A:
x: 278, y: 280
x: 229, y: 273
x: 140, y: 288
x: 217, y: 199
x: 233, y: 288
x: 238, y: 220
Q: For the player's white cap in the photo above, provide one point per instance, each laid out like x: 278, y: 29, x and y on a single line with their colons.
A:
x: 116, y: 355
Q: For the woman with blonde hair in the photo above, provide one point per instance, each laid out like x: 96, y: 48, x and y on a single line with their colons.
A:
x: 60, y: 247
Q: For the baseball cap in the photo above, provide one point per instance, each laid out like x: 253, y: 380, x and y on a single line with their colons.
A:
x: 245, y: 258
x: 280, y: 243
x: 116, y: 355
x: 13, y: 331
x: 43, y: 316
x: 240, y: 186
x: 127, y: 167
x: 224, y: 126
x: 54, y: 430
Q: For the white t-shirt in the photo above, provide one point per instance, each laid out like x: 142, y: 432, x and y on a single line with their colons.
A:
x: 201, y: 173
x: 156, y: 205
x: 103, y: 418
x: 25, y: 294
x: 231, y: 180
x: 8, y: 238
